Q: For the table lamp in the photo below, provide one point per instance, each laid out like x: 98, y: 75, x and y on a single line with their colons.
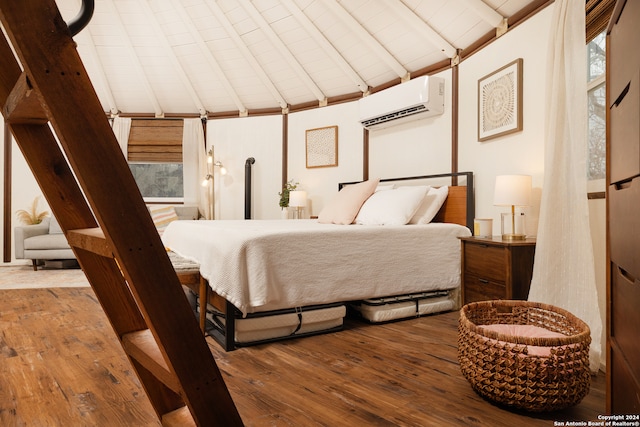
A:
x: 297, y: 200
x: 512, y: 190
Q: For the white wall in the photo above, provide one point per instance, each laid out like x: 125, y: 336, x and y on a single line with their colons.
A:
x: 414, y: 148
x: 234, y: 141
x: 321, y: 184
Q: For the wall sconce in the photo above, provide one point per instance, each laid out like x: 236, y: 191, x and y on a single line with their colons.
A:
x: 512, y: 190
x: 209, y: 179
x: 297, y: 200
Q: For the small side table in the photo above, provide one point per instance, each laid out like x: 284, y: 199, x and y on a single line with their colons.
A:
x: 493, y: 268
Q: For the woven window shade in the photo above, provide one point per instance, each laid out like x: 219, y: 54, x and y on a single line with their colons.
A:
x: 155, y: 140
x: 598, y: 13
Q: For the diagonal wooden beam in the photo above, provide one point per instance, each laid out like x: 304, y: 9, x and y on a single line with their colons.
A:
x: 423, y: 28
x: 284, y: 51
x: 206, y: 52
x: 322, y: 41
x: 246, y: 53
x: 171, y: 55
x: 356, y: 28
x: 135, y: 61
x: 85, y: 39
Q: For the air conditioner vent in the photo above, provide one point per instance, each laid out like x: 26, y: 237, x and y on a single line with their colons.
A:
x: 417, y: 98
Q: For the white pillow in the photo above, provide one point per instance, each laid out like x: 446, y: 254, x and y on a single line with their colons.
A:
x: 345, y: 206
x: 392, y: 207
x: 430, y: 205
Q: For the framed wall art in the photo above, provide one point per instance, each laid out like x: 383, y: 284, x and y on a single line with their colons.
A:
x: 322, y: 147
x: 500, y: 102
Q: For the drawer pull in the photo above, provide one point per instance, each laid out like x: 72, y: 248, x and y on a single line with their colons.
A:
x: 622, y: 95
x: 483, y: 281
x: 628, y: 277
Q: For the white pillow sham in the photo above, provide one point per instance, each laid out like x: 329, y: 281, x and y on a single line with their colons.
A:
x: 392, y: 207
x: 430, y: 205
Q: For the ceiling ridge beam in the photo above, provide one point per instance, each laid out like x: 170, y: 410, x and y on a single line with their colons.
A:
x: 246, y: 53
x: 135, y: 60
x: 206, y: 52
x: 418, y: 24
x: 284, y: 50
x: 182, y: 74
x: 366, y: 37
x: 102, y: 82
x: 325, y: 44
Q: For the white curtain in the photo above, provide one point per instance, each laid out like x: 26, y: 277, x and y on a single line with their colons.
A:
x: 121, y: 129
x: 194, y: 164
x: 564, y: 273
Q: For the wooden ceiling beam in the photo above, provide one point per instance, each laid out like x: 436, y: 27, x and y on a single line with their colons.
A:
x: 135, y: 61
x: 284, y: 50
x: 369, y: 40
x: 206, y: 53
x: 246, y: 53
x: 422, y: 27
x: 171, y: 55
x: 86, y: 39
x: 325, y: 44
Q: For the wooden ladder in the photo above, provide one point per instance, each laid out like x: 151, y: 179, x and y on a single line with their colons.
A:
x: 87, y: 183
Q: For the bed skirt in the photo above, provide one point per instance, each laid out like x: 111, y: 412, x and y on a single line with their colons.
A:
x: 378, y: 310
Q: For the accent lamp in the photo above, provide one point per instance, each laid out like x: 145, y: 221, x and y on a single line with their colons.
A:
x: 512, y: 190
x: 297, y: 200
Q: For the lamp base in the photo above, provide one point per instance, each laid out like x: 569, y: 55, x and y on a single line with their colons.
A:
x: 514, y: 237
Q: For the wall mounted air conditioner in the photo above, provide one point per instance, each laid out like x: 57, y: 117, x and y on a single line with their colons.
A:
x: 418, y: 98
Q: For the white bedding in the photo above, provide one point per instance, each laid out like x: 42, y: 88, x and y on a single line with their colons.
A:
x: 262, y: 265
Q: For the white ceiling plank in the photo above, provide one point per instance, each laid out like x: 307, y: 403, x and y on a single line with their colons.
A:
x: 171, y: 55
x: 134, y: 59
x: 422, y: 27
x: 284, y: 51
x: 206, y: 52
x: 364, y: 36
x: 329, y: 49
x: 485, y: 12
x: 246, y: 53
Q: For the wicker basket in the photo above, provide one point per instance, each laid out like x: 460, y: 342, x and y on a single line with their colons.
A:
x: 500, y: 368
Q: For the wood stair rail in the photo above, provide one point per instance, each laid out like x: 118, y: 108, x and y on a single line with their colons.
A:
x: 88, y: 185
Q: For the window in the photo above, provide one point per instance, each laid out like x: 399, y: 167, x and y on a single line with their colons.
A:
x: 596, y: 107
x: 154, y: 153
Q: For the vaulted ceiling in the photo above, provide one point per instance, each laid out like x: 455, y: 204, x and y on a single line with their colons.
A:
x: 233, y: 57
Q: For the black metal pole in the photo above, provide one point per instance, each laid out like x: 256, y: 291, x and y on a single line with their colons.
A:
x: 247, y: 187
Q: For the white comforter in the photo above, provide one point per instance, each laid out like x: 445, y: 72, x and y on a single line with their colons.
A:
x: 262, y: 265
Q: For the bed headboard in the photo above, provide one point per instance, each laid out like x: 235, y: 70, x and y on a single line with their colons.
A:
x: 458, y: 208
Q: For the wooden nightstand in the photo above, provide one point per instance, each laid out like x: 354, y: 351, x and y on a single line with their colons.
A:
x: 493, y: 268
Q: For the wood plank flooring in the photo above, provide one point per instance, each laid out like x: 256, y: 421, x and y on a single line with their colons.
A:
x: 61, y: 365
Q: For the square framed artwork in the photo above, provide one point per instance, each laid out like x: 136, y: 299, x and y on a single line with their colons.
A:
x: 500, y: 102
x: 322, y: 147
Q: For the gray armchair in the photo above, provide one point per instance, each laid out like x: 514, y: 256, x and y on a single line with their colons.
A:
x: 44, y: 241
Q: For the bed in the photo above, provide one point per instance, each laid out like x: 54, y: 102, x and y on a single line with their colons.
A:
x: 275, y: 279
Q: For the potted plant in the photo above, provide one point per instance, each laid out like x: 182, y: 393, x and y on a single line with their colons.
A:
x: 284, y: 197
x: 32, y: 216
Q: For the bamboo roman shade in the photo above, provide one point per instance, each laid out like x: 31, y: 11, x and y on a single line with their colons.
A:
x: 155, y: 140
x: 598, y: 13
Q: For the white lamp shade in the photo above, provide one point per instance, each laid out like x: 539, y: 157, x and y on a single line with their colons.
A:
x: 297, y: 198
x: 512, y: 190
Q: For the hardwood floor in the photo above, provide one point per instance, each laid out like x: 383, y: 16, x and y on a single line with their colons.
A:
x: 62, y: 365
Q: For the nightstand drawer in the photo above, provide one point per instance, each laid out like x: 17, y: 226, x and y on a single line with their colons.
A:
x: 485, y: 261
x: 479, y: 289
